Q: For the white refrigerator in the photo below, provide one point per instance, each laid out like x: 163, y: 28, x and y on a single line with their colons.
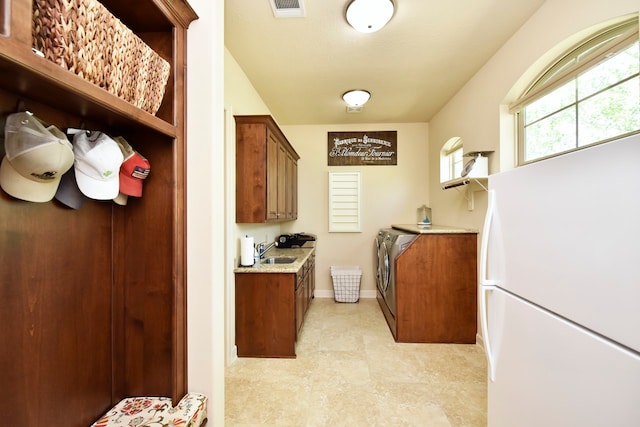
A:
x: 560, y: 290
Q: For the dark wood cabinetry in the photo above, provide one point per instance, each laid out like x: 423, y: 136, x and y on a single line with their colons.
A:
x: 270, y: 310
x: 292, y: 187
x: 305, y: 288
x: 436, y: 290
x: 266, y: 172
x: 94, y: 300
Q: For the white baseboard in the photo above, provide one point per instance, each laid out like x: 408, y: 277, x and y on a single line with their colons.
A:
x: 326, y: 293
x: 479, y: 341
x: 233, y: 356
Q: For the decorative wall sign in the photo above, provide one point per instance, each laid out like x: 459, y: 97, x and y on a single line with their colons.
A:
x: 362, y: 148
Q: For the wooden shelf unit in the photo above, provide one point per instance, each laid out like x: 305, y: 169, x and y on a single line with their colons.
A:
x: 94, y: 299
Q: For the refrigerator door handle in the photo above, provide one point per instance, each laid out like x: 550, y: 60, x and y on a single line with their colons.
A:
x: 484, y: 244
x: 486, y: 285
x: 484, y: 290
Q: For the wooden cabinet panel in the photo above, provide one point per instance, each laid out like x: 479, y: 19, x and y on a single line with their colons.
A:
x: 301, y: 302
x: 55, y: 318
x: 312, y: 276
x: 282, y: 195
x: 266, y: 172
x: 265, y: 314
x: 273, y: 182
x: 436, y: 289
x: 291, y: 187
x: 94, y: 304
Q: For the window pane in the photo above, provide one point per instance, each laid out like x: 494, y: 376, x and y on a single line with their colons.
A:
x: 456, y: 160
x: 610, y: 113
x: 554, y: 101
x: 552, y: 135
x: 621, y: 66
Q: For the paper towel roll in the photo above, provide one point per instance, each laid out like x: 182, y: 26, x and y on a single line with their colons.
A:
x: 246, y: 251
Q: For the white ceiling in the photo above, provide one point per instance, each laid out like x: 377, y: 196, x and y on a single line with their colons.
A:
x: 412, y: 67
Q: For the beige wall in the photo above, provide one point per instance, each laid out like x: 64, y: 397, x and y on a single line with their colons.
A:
x: 240, y: 98
x: 390, y: 194
x: 477, y: 112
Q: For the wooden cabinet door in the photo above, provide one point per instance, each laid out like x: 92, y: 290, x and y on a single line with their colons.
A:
x: 294, y: 190
x: 273, y: 154
x: 291, y: 187
x: 282, y: 182
x: 266, y: 314
x: 300, y: 303
x: 312, y: 277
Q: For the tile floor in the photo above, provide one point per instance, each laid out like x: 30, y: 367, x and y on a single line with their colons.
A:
x: 350, y: 372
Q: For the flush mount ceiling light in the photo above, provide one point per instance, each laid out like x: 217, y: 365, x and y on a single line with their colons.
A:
x: 368, y: 16
x: 356, y: 98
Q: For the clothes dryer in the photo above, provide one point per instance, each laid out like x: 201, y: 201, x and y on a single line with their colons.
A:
x: 389, y: 244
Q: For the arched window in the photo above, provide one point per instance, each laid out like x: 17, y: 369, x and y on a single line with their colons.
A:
x: 588, y: 96
x: 451, y: 159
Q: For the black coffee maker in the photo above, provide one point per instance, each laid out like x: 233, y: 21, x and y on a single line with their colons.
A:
x: 302, y: 240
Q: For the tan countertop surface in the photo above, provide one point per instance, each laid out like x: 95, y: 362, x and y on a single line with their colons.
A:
x: 301, y: 254
x: 432, y: 229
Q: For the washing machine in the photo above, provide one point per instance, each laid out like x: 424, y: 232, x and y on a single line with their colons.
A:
x: 390, y: 243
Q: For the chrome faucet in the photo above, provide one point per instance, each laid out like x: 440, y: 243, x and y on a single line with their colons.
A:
x: 263, y: 248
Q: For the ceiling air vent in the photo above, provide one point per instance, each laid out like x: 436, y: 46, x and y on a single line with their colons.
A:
x: 287, y: 8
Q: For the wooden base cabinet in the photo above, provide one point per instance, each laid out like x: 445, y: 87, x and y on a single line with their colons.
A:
x: 270, y: 310
x: 93, y: 300
x: 436, y: 290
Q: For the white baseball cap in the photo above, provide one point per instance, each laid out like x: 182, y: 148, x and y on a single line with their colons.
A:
x: 36, y: 158
x: 97, y: 164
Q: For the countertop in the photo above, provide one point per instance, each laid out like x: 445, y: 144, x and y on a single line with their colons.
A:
x: 301, y: 254
x: 432, y: 229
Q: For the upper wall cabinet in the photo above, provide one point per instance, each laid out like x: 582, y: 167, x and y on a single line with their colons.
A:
x: 266, y: 172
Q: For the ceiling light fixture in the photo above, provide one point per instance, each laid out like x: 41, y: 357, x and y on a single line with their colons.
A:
x: 356, y: 97
x: 368, y: 16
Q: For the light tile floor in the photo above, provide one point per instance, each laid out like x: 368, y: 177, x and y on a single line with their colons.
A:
x: 350, y: 372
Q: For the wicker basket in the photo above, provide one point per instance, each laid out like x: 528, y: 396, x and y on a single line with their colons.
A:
x: 85, y: 38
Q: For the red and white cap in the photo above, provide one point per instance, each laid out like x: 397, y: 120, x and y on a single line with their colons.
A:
x: 134, y: 170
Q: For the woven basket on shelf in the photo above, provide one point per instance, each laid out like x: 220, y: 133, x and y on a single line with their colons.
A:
x: 84, y: 37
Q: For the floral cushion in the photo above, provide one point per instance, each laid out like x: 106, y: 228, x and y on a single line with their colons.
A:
x: 191, y: 411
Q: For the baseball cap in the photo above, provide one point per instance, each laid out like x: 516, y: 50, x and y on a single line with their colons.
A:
x: 134, y: 169
x: 36, y: 158
x: 98, y: 160
x: 68, y: 192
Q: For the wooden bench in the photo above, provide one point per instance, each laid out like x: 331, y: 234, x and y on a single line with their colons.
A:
x: 191, y: 411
